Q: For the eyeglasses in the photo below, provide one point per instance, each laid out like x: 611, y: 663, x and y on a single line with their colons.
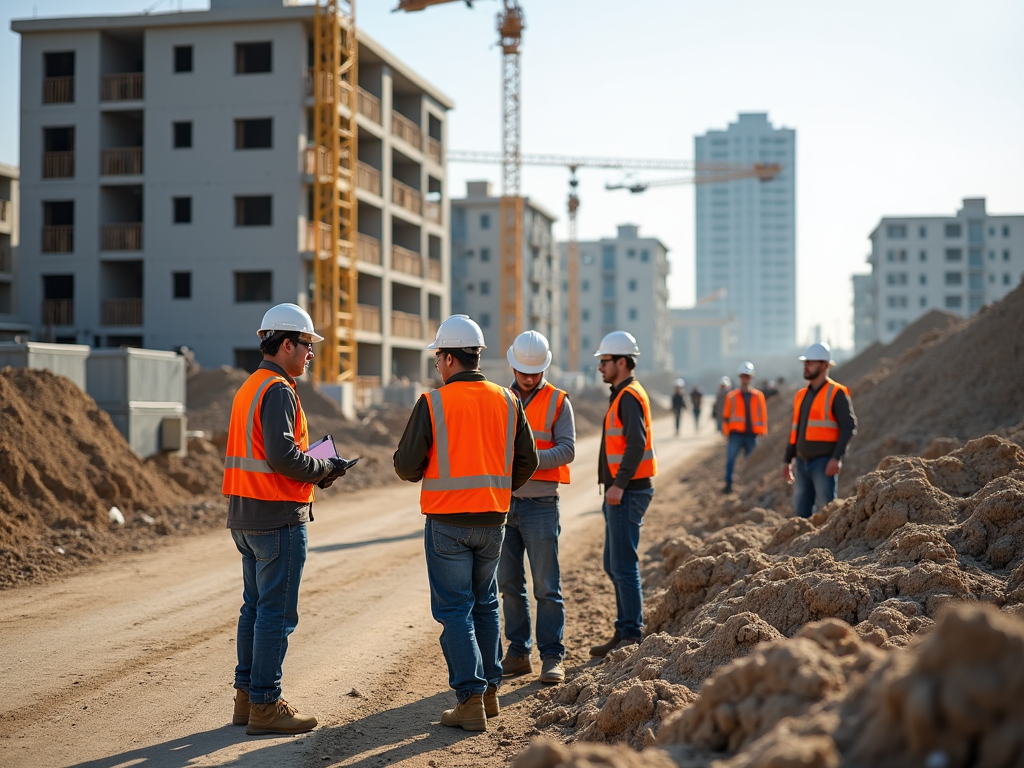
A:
x: 604, y: 360
x: 306, y: 344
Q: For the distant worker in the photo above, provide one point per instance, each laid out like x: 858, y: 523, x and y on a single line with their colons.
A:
x: 696, y: 397
x: 716, y: 410
x: 744, y: 420
x: 823, y: 425
x: 678, y: 403
x: 626, y: 468
x: 533, y: 523
x: 470, y: 444
x: 268, y: 480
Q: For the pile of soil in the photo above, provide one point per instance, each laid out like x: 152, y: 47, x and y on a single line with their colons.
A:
x: 60, y: 476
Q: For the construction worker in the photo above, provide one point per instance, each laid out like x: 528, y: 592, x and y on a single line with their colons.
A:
x: 470, y: 444
x: 696, y: 398
x: 744, y: 420
x: 823, y: 425
x: 678, y: 403
x: 533, y: 525
x: 626, y: 468
x: 268, y: 480
x: 716, y: 410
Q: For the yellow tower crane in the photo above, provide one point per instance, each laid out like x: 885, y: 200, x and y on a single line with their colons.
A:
x: 510, y: 35
x: 334, y: 215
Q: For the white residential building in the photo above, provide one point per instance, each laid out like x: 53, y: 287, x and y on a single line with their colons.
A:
x: 10, y: 327
x: 746, y: 234
x: 864, y: 331
x: 956, y: 263
x: 476, y: 267
x: 167, y: 167
x: 623, y: 285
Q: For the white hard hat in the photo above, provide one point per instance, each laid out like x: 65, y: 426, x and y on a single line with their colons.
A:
x: 288, y: 318
x: 618, y: 343
x: 458, y: 332
x: 680, y: 383
x: 746, y: 368
x: 817, y: 352
x: 529, y: 353
x: 727, y: 381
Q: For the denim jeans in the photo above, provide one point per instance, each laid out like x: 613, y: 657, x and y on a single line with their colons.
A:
x: 271, y: 571
x: 812, y: 488
x: 737, y: 442
x: 678, y: 413
x: 532, y: 529
x: 621, y: 562
x: 461, y: 567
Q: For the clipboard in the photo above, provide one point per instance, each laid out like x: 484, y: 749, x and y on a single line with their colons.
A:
x: 324, y: 448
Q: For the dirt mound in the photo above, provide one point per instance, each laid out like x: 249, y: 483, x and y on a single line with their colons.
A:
x: 549, y: 754
x: 60, y: 475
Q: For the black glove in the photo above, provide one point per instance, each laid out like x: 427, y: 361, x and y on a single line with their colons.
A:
x: 334, y: 474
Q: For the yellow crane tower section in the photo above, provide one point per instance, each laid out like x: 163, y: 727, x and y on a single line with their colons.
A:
x: 334, y: 214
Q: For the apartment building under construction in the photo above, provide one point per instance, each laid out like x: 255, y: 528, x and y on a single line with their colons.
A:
x: 167, y: 182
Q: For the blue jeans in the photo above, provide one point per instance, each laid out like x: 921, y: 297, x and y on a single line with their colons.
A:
x: 812, y: 488
x: 533, y: 529
x: 621, y: 562
x: 737, y: 442
x: 461, y: 566
x: 271, y: 571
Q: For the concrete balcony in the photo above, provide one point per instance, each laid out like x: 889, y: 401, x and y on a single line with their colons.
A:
x: 318, y: 237
x: 432, y: 324
x: 58, y: 90
x: 121, y: 237
x: 316, y: 162
x: 368, y: 105
x: 406, y: 130
x: 367, y: 318
x: 58, y: 165
x: 59, y: 239
x: 6, y: 216
x: 434, y: 149
x: 125, y: 86
x: 368, y: 178
x: 434, y: 270
x: 406, y: 197
x: 406, y: 325
x: 58, y: 312
x: 367, y: 249
x: 432, y: 211
x: 406, y: 261
x: 121, y: 161
x: 121, y: 312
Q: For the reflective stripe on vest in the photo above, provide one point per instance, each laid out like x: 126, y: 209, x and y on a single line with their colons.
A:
x: 469, y: 480
x: 542, y: 411
x: 735, y: 414
x: 246, y: 470
x: 615, y: 440
x: 820, y: 427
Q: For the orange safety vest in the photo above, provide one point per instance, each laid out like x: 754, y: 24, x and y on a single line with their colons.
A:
x: 821, y: 427
x: 469, y: 465
x: 734, y: 414
x: 615, y: 439
x: 246, y: 471
x: 542, y: 412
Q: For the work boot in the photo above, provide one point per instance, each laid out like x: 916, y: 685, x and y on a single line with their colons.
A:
x: 516, y: 665
x: 491, y: 701
x: 626, y: 642
x: 604, y: 648
x: 470, y: 715
x: 727, y: 488
x: 241, y: 715
x: 551, y: 670
x: 277, y: 717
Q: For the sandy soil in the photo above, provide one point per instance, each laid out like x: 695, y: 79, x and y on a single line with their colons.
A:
x: 130, y: 662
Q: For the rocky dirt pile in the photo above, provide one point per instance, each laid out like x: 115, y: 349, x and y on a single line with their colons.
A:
x: 61, y: 474
x: 919, y: 535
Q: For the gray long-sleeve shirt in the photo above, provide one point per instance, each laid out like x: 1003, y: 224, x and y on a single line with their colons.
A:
x: 278, y: 415
x: 842, y: 412
x: 634, y: 427
x: 563, y: 434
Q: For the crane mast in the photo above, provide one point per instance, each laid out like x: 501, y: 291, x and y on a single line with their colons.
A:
x: 510, y: 30
x: 334, y: 214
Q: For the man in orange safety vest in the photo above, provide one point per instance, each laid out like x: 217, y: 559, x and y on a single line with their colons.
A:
x: 744, y: 420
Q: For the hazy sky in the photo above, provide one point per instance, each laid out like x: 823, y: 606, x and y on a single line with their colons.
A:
x: 900, y: 107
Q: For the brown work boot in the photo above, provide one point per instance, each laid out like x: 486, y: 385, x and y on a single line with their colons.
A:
x: 516, y: 665
x: 469, y: 715
x: 491, y: 701
x: 241, y: 714
x: 551, y: 670
x: 605, y: 648
x: 277, y: 717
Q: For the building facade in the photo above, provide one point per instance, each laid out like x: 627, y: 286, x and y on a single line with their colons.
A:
x: 864, y: 331
x: 168, y: 165
x: 703, y: 339
x: 746, y: 233
x: 476, y: 267
x: 10, y: 327
x: 623, y: 286
x: 956, y: 263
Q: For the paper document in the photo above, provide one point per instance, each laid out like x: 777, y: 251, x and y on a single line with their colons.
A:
x: 323, y: 449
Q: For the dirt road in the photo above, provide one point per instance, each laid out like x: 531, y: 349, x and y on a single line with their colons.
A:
x: 131, y: 663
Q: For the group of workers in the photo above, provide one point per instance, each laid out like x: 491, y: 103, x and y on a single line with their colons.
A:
x: 489, y: 460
